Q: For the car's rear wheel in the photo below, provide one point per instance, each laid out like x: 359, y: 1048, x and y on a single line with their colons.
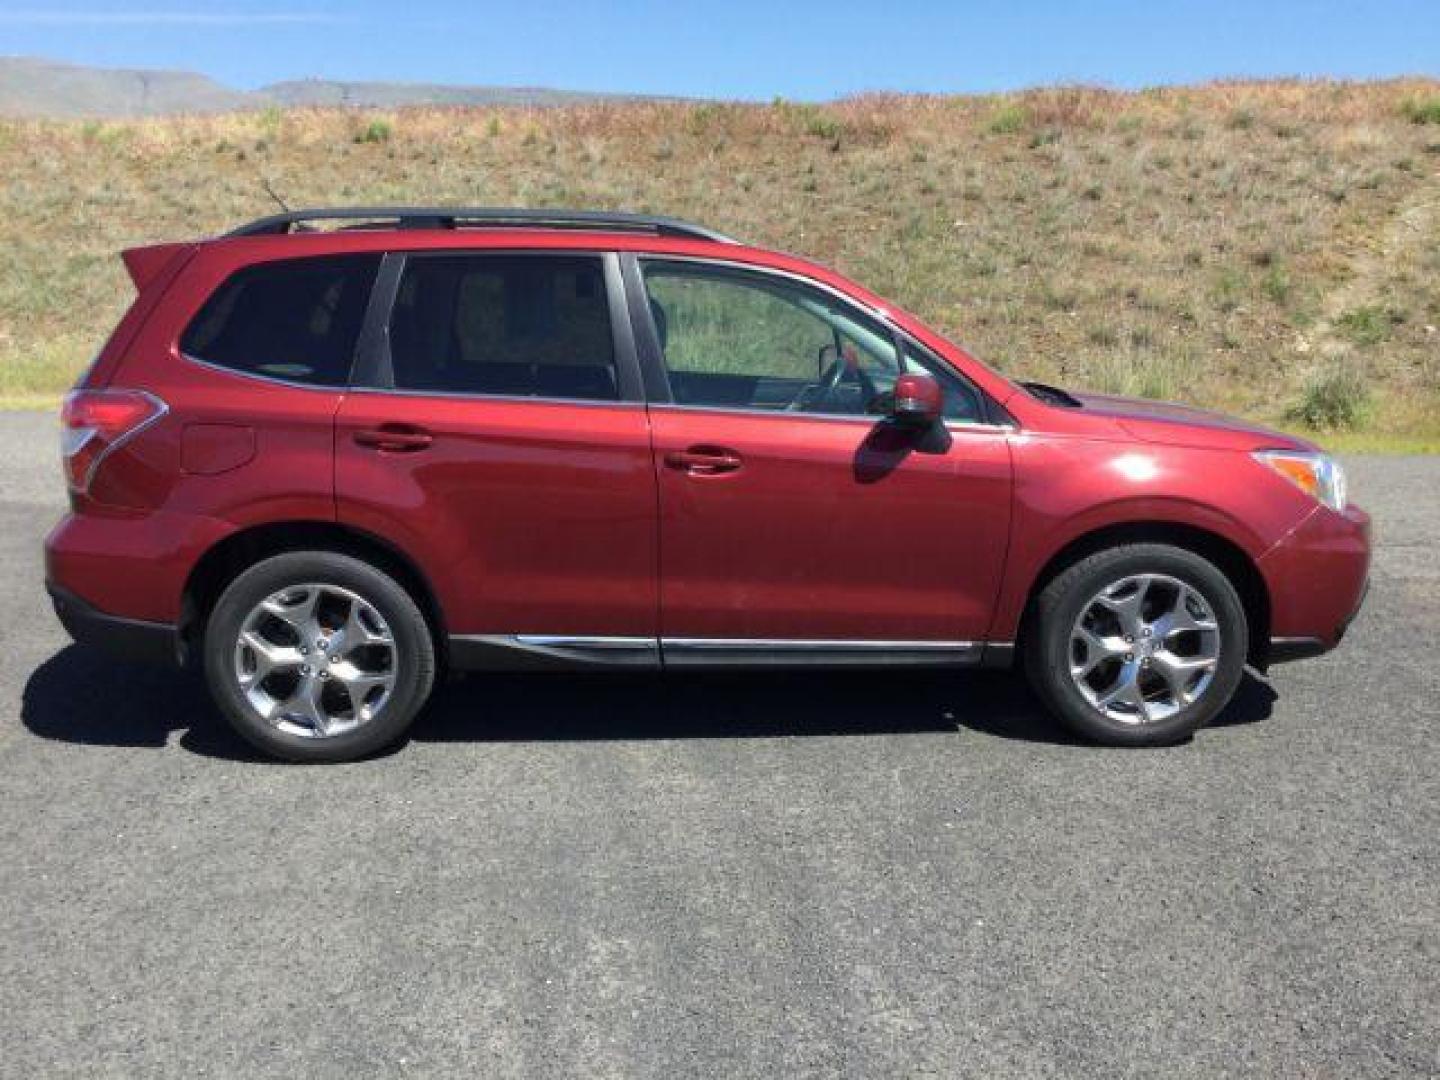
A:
x: 1137, y: 645
x: 315, y: 656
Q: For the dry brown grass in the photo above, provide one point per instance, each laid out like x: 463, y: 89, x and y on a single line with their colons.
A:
x: 1209, y: 243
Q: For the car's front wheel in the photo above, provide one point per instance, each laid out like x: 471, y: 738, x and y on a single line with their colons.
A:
x: 316, y: 656
x: 1137, y: 645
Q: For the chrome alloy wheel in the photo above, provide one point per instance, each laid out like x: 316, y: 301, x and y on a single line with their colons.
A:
x: 1144, y: 648
x: 316, y: 660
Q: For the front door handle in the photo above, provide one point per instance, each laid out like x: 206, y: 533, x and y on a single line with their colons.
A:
x: 704, y: 460
x: 394, y: 438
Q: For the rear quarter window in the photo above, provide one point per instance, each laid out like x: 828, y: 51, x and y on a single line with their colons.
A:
x: 296, y: 319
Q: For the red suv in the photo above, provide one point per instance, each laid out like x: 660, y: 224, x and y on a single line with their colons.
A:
x: 328, y: 464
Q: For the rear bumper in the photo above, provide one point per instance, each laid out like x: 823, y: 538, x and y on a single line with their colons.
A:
x: 125, y: 639
x: 130, y: 562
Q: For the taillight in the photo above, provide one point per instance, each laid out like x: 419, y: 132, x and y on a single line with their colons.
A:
x: 95, y: 422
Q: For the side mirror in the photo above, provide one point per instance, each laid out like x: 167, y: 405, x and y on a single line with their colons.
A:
x: 917, y: 402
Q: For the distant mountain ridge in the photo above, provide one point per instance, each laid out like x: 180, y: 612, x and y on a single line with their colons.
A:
x: 32, y: 86
x: 383, y: 94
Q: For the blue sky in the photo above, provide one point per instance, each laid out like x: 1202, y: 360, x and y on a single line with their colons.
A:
x: 799, y: 49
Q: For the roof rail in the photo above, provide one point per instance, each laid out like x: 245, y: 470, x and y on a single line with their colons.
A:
x: 457, y: 217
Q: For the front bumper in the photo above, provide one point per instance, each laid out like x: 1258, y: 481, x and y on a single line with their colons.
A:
x: 1284, y: 649
x: 1317, y: 578
x: 125, y: 639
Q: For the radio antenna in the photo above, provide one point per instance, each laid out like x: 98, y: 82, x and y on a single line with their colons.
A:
x: 265, y: 183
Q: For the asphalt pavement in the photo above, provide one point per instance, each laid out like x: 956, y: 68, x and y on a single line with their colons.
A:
x: 777, y: 876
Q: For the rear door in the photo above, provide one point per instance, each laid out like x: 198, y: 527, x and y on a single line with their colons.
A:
x: 497, y: 434
x: 793, y: 516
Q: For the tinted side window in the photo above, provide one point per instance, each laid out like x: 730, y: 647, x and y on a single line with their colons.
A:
x: 742, y: 339
x: 297, y: 319
x: 512, y: 325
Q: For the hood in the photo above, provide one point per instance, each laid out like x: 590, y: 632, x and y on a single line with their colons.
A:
x: 1181, y: 425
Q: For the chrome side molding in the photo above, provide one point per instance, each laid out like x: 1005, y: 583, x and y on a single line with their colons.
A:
x: 531, y: 652
x: 547, y: 652
x: 764, y: 653
x: 561, y: 641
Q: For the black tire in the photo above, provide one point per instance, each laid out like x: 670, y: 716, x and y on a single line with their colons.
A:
x: 412, y: 660
x: 1047, y: 648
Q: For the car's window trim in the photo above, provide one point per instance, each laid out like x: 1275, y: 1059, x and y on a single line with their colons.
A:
x: 375, y: 371
x: 372, y: 352
x: 653, y: 359
x: 251, y: 376
x: 501, y: 399
x: 653, y: 373
x: 867, y: 419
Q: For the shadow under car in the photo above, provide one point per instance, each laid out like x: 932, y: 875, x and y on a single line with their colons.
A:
x: 80, y: 695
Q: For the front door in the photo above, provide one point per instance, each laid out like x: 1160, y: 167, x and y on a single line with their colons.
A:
x: 795, y: 520
x: 504, y: 445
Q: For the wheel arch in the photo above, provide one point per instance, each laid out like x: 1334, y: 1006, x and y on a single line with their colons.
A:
x: 219, y: 565
x: 1231, y: 559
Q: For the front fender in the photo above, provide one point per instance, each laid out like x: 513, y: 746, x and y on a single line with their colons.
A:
x: 1067, y: 489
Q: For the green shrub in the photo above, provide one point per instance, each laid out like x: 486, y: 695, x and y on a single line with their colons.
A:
x: 812, y: 120
x: 1276, y: 284
x: 1007, y: 120
x: 701, y: 117
x: 1369, y: 325
x: 270, y: 119
x: 1228, y: 289
x: 820, y: 126
x: 1333, y: 399
x: 1422, y: 112
x: 1058, y: 297
x: 376, y: 131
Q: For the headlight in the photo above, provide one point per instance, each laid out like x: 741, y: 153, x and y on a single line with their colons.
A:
x: 1318, y: 475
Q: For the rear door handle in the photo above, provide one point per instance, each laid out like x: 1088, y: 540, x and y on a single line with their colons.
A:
x: 394, y: 438
x: 704, y: 460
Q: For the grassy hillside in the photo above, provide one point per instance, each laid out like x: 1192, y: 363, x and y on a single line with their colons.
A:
x: 1270, y: 249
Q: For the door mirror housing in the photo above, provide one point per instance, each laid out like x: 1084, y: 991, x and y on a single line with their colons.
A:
x: 917, y: 401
